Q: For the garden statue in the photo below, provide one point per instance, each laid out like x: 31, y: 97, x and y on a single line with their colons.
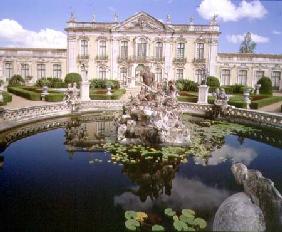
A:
x: 220, y: 102
x: 248, y: 46
x: 148, y: 77
x: 71, y: 96
x: 84, y: 85
x: 153, y: 116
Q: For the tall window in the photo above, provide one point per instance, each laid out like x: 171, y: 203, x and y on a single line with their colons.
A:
x: 124, y: 49
x: 159, y: 50
x: 24, y: 70
x: 200, y: 51
x: 225, y: 77
x: 159, y: 75
x: 123, y: 76
x: 8, y: 70
x: 199, y: 75
x: 259, y: 74
x: 242, y: 77
x: 180, y: 50
x: 103, y: 48
x: 84, y: 47
x: 275, y: 78
x: 142, y: 48
x: 179, y: 74
x: 102, y: 73
x: 57, y: 70
x: 41, y: 71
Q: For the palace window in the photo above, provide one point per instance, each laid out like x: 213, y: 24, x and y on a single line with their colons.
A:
x: 57, y: 70
x: 8, y: 70
x: 41, y: 71
x: 124, y: 49
x: 259, y: 74
x: 275, y: 78
x: 24, y: 70
x: 225, y: 77
x: 102, y: 49
x: 159, y: 50
x: 102, y: 73
x: 179, y: 74
x: 142, y: 48
x: 180, y: 50
x: 242, y: 77
x: 199, y: 75
x: 123, y: 76
x: 200, y: 51
x: 84, y: 47
x: 159, y: 75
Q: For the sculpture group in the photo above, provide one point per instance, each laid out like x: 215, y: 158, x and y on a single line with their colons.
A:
x: 153, y: 116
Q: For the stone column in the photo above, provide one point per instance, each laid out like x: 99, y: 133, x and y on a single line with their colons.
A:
x: 84, y: 85
x: 203, y: 94
x: 213, y: 57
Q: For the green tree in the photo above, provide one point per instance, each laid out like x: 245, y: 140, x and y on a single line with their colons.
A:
x: 266, y: 86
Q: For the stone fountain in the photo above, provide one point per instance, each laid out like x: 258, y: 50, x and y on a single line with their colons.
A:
x: 153, y: 116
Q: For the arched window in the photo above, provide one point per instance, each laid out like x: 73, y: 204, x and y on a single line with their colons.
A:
x: 41, y: 71
x: 200, y: 51
x: 124, y: 49
x: 142, y: 48
x: 84, y: 47
x: 225, y: 77
x: 180, y: 50
x: 159, y: 50
x: 103, y: 49
x: 8, y: 70
x: 24, y: 70
x: 57, y: 70
x: 242, y: 77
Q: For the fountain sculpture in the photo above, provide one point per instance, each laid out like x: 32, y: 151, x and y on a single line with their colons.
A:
x: 153, y: 116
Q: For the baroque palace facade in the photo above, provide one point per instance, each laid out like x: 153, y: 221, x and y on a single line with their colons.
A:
x: 121, y: 50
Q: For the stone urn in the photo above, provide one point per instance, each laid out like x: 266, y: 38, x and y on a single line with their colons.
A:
x: 109, y: 90
x: 246, y: 95
x: 257, y: 86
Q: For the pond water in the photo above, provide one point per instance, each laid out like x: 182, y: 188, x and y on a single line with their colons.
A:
x: 44, y: 187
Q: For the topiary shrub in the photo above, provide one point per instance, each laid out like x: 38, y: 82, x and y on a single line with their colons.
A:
x: 187, y: 85
x: 266, y: 86
x: 16, y: 80
x: 213, y: 83
x: 73, y: 77
x: 43, y: 82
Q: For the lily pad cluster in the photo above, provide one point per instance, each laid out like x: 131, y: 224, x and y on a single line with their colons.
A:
x: 184, y: 221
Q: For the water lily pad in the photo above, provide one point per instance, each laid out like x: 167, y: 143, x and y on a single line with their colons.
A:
x: 132, y: 224
x: 188, y: 212
x: 158, y: 228
x: 130, y: 214
x: 201, y: 223
x: 180, y: 226
x: 175, y: 218
x: 188, y: 220
x: 169, y: 212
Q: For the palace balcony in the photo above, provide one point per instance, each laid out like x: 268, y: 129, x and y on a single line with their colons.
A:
x: 122, y: 59
x: 101, y: 58
x: 180, y: 60
x: 158, y: 59
x: 199, y: 61
x: 83, y: 57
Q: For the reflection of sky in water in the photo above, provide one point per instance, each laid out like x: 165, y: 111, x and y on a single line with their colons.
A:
x: 186, y: 193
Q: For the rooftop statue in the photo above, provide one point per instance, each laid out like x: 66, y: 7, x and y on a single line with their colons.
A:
x: 248, y: 45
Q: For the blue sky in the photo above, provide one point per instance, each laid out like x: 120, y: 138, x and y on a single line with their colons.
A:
x: 40, y: 23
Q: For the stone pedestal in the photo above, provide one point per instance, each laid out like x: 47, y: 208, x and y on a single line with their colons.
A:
x: 203, y: 94
x: 84, y: 91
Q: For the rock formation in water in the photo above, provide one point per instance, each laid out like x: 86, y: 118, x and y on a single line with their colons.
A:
x: 261, y: 194
x: 153, y: 117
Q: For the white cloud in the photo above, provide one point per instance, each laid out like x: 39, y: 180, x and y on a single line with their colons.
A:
x: 240, y: 37
x: 12, y: 34
x: 228, y: 11
x: 274, y: 32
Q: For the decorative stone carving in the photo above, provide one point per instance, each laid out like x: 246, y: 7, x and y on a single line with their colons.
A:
x: 71, y: 96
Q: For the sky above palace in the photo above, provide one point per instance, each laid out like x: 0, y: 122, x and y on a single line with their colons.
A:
x: 41, y: 23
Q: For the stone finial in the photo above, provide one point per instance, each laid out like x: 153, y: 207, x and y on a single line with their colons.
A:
x: 116, y: 17
x: 191, y: 20
x: 72, y: 17
x: 168, y: 19
x: 213, y: 21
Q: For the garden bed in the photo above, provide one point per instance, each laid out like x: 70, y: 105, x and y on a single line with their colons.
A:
x: 101, y: 94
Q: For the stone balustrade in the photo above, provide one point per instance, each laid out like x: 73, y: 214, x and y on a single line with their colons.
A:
x: 28, y: 114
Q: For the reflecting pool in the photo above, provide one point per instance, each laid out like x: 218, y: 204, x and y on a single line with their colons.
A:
x: 48, y: 184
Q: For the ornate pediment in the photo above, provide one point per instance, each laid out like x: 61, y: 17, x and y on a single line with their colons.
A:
x: 142, y: 22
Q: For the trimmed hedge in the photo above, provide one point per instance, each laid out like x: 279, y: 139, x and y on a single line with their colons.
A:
x: 234, y: 89
x: 103, y: 84
x: 54, y: 97
x: 51, y: 82
x: 6, y: 98
x: 266, y: 86
x: 213, y: 83
x: 187, y: 85
x: 30, y: 95
x: 16, y: 80
x: 265, y: 102
x: 73, y: 77
x: 115, y: 95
